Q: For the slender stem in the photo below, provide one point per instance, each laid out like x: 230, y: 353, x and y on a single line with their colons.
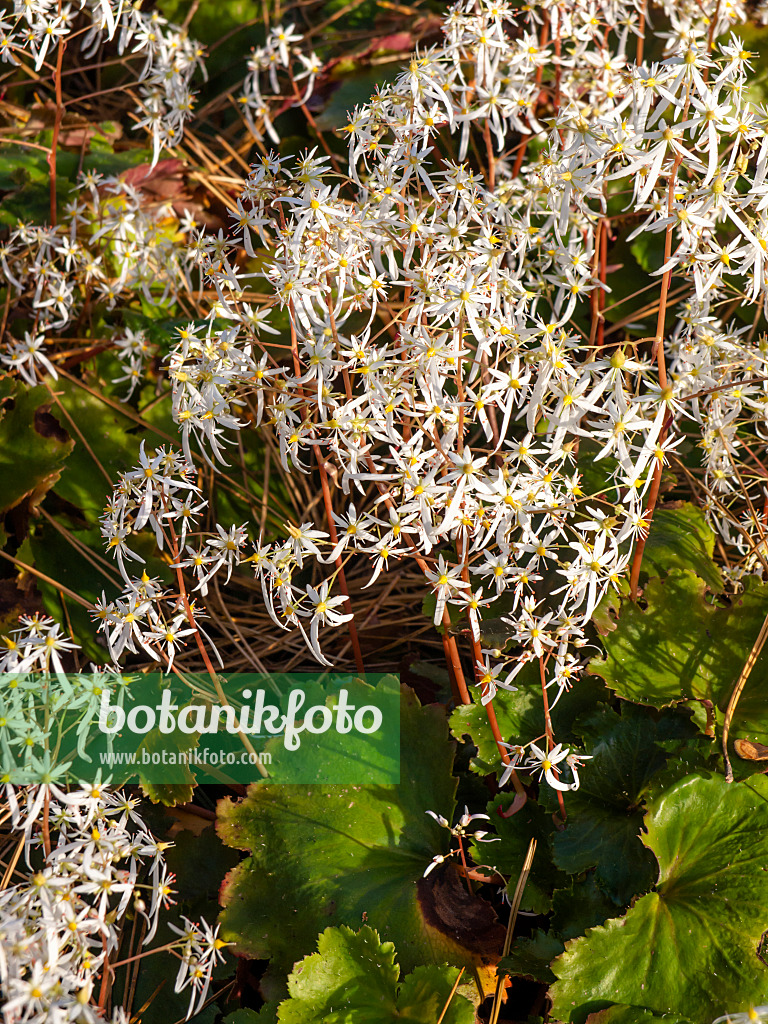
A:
x: 464, y: 864
x: 452, y: 655
x: 148, y: 952
x: 490, y: 711
x: 353, y: 637
x: 548, y: 728
x: 56, y: 127
x: 594, y: 299
x: 603, y: 278
x: 641, y: 35
x: 201, y: 646
x: 351, y: 628
x: 658, y: 352
x: 8, y: 874
x: 521, y: 796
x: 711, y: 33
x: 46, y: 824
x: 637, y: 558
x: 453, y: 660
x: 513, y: 912
x: 754, y: 654
x: 106, y: 975
x: 313, y: 124
x: 450, y: 996
x: 539, y: 73
x: 490, y: 157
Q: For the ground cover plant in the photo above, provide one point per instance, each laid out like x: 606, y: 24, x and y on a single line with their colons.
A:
x: 427, y: 340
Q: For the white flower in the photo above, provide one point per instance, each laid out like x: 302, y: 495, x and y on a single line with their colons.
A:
x: 546, y: 764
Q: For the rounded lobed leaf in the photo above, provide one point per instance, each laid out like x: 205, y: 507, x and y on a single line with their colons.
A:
x: 344, y: 854
x: 354, y: 977
x: 689, y: 947
x: 684, y: 647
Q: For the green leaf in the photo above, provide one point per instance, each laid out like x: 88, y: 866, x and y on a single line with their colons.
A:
x: 33, y: 447
x: 648, y: 250
x: 684, y: 646
x: 344, y: 854
x: 530, y: 958
x: 107, y: 448
x: 620, y: 1013
x: 680, y: 538
x: 508, y: 855
x: 596, y: 475
x: 356, y: 87
x: 426, y: 991
x: 580, y: 906
x: 342, y: 759
x: 199, y: 860
x: 266, y: 1015
x: 604, y: 815
x: 25, y: 177
x: 168, y: 793
x: 428, y: 605
x: 690, y: 946
x: 353, y: 972
x: 625, y: 304
x: 699, y: 755
x: 520, y: 715
x: 598, y: 836
x: 353, y: 977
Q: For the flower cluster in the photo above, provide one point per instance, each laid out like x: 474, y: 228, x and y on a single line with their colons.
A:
x: 160, y: 497
x: 110, y: 246
x: 62, y: 927
x: 459, y: 832
x: 438, y: 362
x: 282, y: 53
x: 35, y: 692
x: 459, y: 369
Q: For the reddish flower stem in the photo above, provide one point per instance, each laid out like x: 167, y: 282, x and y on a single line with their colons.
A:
x: 548, y: 728
x: 539, y: 73
x: 56, y: 128
x: 353, y: 637
x: 351, y: 628
x: 658, y: 352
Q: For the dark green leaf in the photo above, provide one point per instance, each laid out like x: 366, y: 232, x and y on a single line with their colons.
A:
x: 648, y: 250
x: 199, y: 860
x: 90, y: 474
x: 690, y: 946
x: 33, y: 447
x: 622, y: 1014
x: 520, y: 715
x: 266, y: 1015
x: 605, y: 814
x: 680, y: 538
x: 530, y: 958
x: 342, y: 854
x: 580, y: 906
x: 508, y: 854
x: 686, y: 646
x: 353, y: 977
